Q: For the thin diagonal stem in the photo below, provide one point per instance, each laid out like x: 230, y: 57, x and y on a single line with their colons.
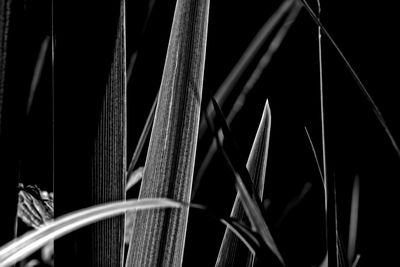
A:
x: 359, y: 83
x: 315, y: 156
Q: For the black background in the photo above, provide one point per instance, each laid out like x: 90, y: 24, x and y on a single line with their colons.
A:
x: 356, y: 142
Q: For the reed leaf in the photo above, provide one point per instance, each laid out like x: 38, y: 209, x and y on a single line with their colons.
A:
x: 32, y: 241
x: 231, y: 252
x: 250, y: 199
x: 356, y: 261
x: 90, y: 127
x: 134, y: 178
x: 355, y: 199
x: 158, y: 236
x: 37, y: 72
x: 254, y: 77
x: 229, y: 83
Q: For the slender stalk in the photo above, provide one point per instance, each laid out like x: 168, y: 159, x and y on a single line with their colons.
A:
x: 315, y: 157
x: 358, y: 81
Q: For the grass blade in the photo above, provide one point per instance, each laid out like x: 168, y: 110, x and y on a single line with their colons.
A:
x: 355, y: 199
x: 241, y: 99
x: 358, y: 81
x: 315, y: 156
x: 229, y: 83
x: 90, y: 127
x: 356, y: 260
x: 231, y: 251
x: 37, y: 72
x: 249, y: 238
x: 134, y: 178
x: 250, y: 200
x: 30, y: 242
x: 158, y: 236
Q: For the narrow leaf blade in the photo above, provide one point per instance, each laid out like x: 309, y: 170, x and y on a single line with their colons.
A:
x: 256, y: 165
x: 158, y: 236
x: 251, y: 202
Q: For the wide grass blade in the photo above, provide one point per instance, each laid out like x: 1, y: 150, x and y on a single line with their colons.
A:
x: 32, y: 241
x: 250, y: 239
x: 229, y: 83
x: 231, y: 251
x: 358, y: 81
x: 250, y: 199
x: 158, y: 236
x: 241, y: 99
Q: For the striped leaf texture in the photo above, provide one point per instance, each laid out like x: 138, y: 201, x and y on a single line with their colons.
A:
x: 232, y: 251
x: 90, y: 127
x: 158, y: 236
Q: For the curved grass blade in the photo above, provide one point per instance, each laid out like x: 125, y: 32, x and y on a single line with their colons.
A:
x: 250, y: 239
x: 230, y: 250
x: 241, y: 99
x: 358, y: 81
x: 30, y: 242
x: 23, y: 246
x: 158, y: 236
x: 229, y: 83
x: 250, y: 200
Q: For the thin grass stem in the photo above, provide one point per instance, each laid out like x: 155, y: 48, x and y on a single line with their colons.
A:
x: 358, y: 81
